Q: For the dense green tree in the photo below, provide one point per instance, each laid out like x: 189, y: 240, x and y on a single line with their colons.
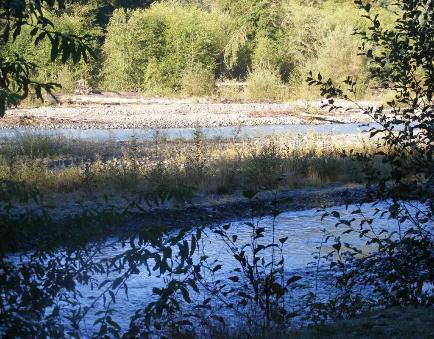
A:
x: 156, y: 47
x: 15, y: 70
x: 75, y: 19
x: 260, y: 26
x: 151, y: 49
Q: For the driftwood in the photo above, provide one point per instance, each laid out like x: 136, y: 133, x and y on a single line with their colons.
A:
x: 82, y: 88
x: 231, y: 84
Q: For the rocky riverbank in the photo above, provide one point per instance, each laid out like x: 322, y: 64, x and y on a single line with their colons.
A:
x: 118, y: 112
x: 203, y: 209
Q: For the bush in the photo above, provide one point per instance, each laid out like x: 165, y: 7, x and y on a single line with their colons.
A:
x: 198, y: 81
x: 400, y: 270
x: 79, y: 20
x: 274, y: 53
x: 152, y: 49
x: 320, y: 38
x: 339, y: 58
x: 264, y: 83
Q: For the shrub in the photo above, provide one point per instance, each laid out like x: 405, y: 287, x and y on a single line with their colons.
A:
x: 320, y: 38
x: 115, y: 71
x: 153, y: 49
x: 79, y: 20
x: 400, y: 270
x: 264, y: 83
x: 339, y: 57
x: 198, y: 81
x: 274, y: 53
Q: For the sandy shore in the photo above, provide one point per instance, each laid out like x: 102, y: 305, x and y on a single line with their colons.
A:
x: 109, y: 112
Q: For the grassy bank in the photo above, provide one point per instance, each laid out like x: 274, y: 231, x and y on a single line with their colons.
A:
x: 395, y: 322
x: 208, y: 166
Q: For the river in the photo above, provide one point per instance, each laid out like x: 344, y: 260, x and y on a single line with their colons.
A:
x: 188, y: 133
x: 305, y: 232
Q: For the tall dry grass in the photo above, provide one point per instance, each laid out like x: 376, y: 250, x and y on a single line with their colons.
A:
x: 208, y: 166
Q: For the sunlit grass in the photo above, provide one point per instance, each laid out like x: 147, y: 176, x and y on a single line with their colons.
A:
x: 208, y: 166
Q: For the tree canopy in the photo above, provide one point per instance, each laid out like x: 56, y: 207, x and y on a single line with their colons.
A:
x: 15, y: 71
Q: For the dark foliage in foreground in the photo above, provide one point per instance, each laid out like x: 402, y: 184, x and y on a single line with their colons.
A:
x: 401, y: 270
x: 16, y: 72
x: 40, y: 287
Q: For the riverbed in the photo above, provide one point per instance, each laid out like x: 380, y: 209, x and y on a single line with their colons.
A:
x: 95, y: 112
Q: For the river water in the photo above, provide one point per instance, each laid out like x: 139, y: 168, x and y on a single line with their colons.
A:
x: 188, y: 133
x: 305, y: 232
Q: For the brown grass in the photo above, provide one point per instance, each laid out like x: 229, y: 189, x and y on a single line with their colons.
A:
x: 395, y: 322
x: 209, y: 166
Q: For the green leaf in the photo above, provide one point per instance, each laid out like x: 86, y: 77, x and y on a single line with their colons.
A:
x: 116, y: 282
x: 234, y: 278
x: 217, y: 268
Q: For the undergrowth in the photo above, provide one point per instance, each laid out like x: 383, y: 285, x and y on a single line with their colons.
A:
x: 210, y: 166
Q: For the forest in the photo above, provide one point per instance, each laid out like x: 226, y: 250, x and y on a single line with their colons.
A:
x: 184, y: 48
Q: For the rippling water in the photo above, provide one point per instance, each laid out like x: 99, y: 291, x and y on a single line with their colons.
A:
x: 304, y: 230
x: 188, y: 133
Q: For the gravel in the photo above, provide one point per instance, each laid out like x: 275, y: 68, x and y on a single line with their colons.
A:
x: 118, y: 113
